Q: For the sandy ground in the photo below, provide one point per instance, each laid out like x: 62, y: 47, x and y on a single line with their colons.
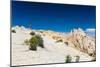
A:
x: 52, y: 53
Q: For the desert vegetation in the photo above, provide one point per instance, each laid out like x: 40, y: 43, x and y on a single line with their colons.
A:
x: 68, y: 59
x: 32, y: 33
x: 43, y: 46
x: 40, y: 40
x: 77, y: 58
x: 26, y: 42
x: 34, y: 41
x: 66, y: 43
x: 59, y: 40
x: 13, y: 31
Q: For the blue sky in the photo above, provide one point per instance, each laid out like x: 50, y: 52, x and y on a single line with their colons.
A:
x: 57, y: 17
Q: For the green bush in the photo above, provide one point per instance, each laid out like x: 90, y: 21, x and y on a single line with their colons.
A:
x: 66, y: 43
x: 77, y: 58
x: 40, y: 40
x: 33, y: 42
x: 68, y: 59
x: 13, y: 31
x: 92, y: 54
x: 60, y: 40
x: 26, y: 42
x: 32, y: 33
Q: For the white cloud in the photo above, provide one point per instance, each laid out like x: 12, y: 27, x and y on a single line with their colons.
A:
x: 90, y: 30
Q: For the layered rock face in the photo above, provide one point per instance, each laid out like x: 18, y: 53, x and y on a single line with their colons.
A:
x: 81, y: 41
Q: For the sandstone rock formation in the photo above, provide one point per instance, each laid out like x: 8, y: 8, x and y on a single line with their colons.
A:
x: 81, y: 41
x: 57, y: 46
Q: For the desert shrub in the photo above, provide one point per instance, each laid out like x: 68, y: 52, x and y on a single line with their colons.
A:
x: 40, y: 41
x: 92, y: 54
x: 68, y: 59
x: 32, y: 33
x: 33, y: 42
x: 77, y: 58
x: 26, y: 42
x: 41, y: 31
x: 13, y: 31
x: 66, y: 43
x: 59, y: 40
x: 94, y: 59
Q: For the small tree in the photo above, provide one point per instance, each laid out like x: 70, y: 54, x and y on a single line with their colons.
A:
x: 68, y: 59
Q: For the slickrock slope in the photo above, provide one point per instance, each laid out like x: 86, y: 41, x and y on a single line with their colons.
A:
x: 57, y: 47
x: 81, y: 41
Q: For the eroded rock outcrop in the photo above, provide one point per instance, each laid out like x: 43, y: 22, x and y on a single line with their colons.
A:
x: 81, y: 41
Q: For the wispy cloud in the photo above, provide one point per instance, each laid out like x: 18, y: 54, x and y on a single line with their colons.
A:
x: 90, y: 31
